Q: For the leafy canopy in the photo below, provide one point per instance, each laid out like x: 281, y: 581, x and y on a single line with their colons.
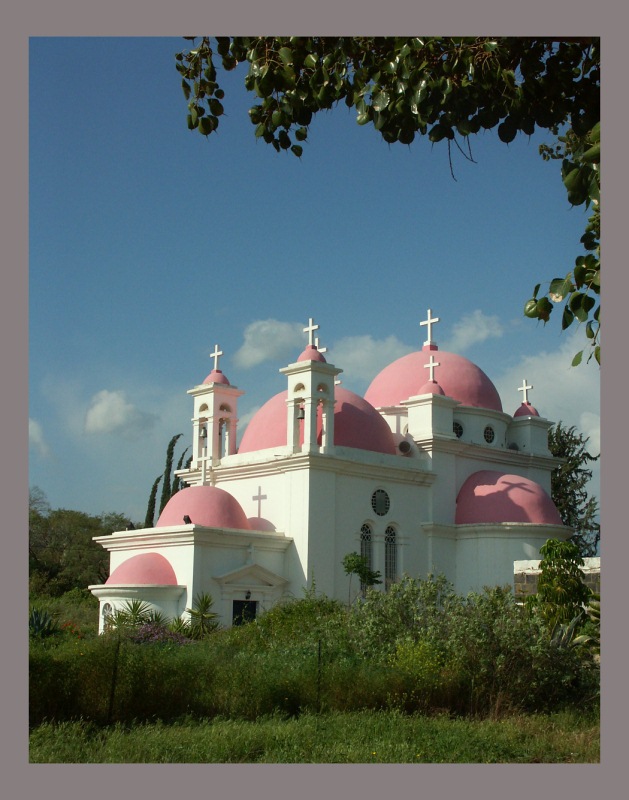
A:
x: 440, y: 87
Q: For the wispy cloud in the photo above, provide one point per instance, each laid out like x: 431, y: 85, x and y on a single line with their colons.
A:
x: 36, y: 439
x: 472, y: 329
x: 362, y: 357
x: 268, y: 340
x: 111, y: 412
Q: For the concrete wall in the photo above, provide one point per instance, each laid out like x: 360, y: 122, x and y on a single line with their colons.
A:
x: 526, y: 573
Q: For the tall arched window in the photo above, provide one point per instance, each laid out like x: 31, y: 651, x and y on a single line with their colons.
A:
x: 366, y: 549
x: 390, y: 557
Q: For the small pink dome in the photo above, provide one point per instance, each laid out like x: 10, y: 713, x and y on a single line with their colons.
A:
x: 432, y: 387
x: 261, y: 524
x: 145, y: 568
x: 216, y: 376
x: 458, y: 377
x: 356, y: 424
x: 311, y: 354
x: 526, y: 410
x: 489, y: 496
x: 205, y: 505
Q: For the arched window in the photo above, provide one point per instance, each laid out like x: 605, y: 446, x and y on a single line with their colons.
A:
x: 390, y: 557
x: 366, y: 549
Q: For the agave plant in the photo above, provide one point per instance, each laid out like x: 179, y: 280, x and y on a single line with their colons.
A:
x: 202, y: 619
x: 179, y: 625
x: 41, y: 623
x: 563, y: 635
x: 130, y: 615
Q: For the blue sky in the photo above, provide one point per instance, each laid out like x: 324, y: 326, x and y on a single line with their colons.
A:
x: 150, y: 244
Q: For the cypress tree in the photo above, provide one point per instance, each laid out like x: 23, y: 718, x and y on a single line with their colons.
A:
x: 150, y: 510
x: 166, y: 485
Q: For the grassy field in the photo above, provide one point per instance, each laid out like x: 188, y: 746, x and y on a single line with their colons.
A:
x: 356, y: 738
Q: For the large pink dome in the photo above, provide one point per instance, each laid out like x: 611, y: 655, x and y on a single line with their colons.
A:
x: 489, y: 496
x: 356, y: 424
x: 145, y: 568
x: 457, y: 376
x: 205, y: 505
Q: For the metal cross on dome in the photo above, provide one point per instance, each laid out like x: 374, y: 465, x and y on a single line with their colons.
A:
x: 429, y: 323
x: 310, y: 329
x: 524, y: 389
x: 215, y: 355
x: 431, y: 366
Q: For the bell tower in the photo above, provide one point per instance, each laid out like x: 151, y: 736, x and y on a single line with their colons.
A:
x: 310, y: 394
x: 214, y: 421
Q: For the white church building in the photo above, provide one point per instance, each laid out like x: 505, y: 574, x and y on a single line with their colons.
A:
x: 424, y: 474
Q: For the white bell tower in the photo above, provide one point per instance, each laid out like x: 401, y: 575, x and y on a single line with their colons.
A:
x: 214, y: 422
x: 310, y: 388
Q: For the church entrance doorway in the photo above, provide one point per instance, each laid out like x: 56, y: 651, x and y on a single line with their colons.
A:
x: 244, y: 611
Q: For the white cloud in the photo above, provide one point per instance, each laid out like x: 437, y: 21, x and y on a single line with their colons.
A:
x: 269, y: 339
x: 110, y: 411
x: 472, y: 329
x: 36, y: 438
x: 362, y: 357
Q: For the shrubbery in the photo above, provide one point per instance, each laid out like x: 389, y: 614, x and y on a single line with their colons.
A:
x: 417, y: 647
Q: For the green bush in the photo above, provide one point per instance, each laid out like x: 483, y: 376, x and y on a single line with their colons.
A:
x: 417, y: 648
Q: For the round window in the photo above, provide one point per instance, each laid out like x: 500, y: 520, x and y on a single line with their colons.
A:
x: 489, y: 434
x: 380, y: 502
x: 458, y: 429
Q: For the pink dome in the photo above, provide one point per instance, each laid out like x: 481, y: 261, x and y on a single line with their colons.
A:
x: 311, y: 354
x: 205, y: 505
x: 216, y: 376
x: 457, y: 376
x: 145, y: 568
x: 432, y: 387
x: 356, y: 424
x: 261, y: 524
x: 488, y: 496
x: 526, y: 410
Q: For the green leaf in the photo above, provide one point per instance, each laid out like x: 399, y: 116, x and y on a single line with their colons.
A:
x: 216, y: 107
x: 567, y: 318
x: 297, y: 150
x: 311, y: 61
x: 207, y: 125
x: 530, y: 309
x: 186, y: 89
x: 577, y: 359
x: 543, y: 308
x: 559, y: 288
x: 507, y: 130
x: 286, y: 54
x: 380, y: 101
x: 593, y: 155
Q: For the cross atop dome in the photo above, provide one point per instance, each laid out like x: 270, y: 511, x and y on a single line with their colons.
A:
x: 431, y: 366
x: 310, y: 329
x: 216, y: 355
x: 524, y: 389
x: 429, y: 323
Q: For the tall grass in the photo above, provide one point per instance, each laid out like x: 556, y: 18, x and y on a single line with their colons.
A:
x: 355, y: 737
